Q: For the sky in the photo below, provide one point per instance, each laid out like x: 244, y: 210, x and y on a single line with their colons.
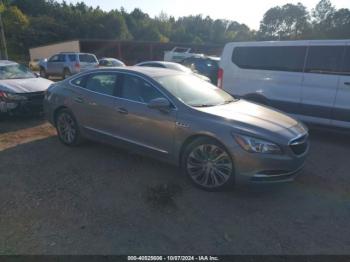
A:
x: 249, y: 12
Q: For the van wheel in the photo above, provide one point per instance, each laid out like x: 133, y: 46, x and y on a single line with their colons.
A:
x: 208, y: 165
x: 43, y: 73
x: 66, y: 73
x: 67, y: 128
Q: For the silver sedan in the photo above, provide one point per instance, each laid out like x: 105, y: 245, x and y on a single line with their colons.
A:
x: 179, y: 118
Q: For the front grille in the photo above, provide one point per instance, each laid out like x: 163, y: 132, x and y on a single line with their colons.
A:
x: 35, y: 98
x: 299, y: 145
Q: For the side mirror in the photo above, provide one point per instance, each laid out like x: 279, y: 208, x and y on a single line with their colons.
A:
x: 160, y: 104
x: 36, y: 74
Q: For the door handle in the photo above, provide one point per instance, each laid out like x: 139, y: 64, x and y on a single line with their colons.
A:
x: 122, y: 110
x: 79, y: 100
x: 347, y: 83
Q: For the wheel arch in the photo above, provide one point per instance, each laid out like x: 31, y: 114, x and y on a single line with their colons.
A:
x: 194, y: 137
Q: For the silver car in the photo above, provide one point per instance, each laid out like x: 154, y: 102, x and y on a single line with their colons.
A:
x: 21, y: 91
x: 66, y: 64
x: 179, y: 118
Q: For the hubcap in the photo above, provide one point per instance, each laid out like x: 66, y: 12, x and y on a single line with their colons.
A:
x: 66, y: 128
x: 209, y: 165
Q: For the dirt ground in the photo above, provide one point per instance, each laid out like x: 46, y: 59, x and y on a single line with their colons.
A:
x: 96, y: 199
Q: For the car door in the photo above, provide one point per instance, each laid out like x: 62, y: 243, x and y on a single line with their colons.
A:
x: 52, y: 64
x: 149, y: 128
x: 93, y: 102
x: 320, y: 82
x: 341, y: 111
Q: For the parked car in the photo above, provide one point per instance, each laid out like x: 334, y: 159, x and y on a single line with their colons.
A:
x: 67, y: 64
x: 179, y: 118
x: 110, y: 62
x: 308, y: 79
x: 204, y: 65
x: 178, y: 54
x: 173, y: 66
x: 21, y: 90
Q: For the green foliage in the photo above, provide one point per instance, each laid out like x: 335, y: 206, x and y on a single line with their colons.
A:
x: 31, y: 23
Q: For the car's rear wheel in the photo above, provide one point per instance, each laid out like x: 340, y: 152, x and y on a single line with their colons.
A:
x: 208, y: 164
x: 67, y: 128
x: 43, y: 73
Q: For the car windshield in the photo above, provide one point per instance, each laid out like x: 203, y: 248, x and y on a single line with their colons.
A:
x: 194, y: 91
x: 15, y: 72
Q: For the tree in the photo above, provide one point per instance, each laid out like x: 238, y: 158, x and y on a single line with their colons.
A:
x: 322, y: 10
x: 286, y: 22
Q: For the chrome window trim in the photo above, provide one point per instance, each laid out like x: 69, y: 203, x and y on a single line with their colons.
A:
x: 127, y: 140
x: 132, y: 74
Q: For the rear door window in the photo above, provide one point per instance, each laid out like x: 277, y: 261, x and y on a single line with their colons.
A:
x: 72, y: 58
x: 86, y: 58
x: 275, y: 58
x: 324, y: 59
x: 103, y: 83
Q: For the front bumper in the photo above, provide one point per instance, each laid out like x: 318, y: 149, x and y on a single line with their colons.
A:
x: 267, y: 168
x: 32, y: 104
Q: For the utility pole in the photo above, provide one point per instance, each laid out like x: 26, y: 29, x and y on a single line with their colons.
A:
x: 4, y: 54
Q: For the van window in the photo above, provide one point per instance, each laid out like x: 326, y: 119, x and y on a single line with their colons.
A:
x: 346, y: 64
x: 276, y: 58
x: 86, y: 58
x: 324, y: 59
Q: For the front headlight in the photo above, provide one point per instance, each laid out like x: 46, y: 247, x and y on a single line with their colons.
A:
x: 14, y: 97
x: 255, y: 145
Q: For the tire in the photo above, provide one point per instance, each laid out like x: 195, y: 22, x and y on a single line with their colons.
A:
x: 43, y: 73
x: 208, y: 165
x: 67, y: 128
x: 66, y: 73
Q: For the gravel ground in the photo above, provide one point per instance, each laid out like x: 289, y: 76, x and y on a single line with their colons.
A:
x: 96, y: 199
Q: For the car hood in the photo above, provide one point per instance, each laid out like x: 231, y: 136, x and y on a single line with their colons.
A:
x: 28, y: 85
x: 251, y: 114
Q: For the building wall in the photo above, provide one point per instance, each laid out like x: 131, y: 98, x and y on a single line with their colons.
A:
x: 49, y: 50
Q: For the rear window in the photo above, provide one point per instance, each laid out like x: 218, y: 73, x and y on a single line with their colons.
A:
x: 324, y: 59
x: 85, y: 58
x: 346, y: 63
x: 276, y: 58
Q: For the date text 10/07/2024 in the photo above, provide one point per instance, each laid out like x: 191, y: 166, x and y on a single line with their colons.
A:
x: 173, y: 258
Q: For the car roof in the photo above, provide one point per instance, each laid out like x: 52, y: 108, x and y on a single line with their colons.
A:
x: 7, y: 62
x: 148, y: 71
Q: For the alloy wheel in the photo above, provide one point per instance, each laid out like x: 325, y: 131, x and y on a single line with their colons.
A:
x: 209, y: 166
x: 66, y: 128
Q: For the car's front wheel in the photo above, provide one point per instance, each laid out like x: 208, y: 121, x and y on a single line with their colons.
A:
x: 208, y: 164
x: 67, y: 128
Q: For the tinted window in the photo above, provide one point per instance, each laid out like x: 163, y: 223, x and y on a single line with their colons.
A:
x: 324, y: 59
x: 136, y: 89
x: 54, y: 58
x: 346, y: 63
x: 79, y: 81
x: 103, y: 83
x: 85, y: 58
x: 277, y: 58
x: 72, y: 58
x: 61, y: 58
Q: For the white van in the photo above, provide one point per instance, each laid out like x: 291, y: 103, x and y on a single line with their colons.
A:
x: 307, y: 79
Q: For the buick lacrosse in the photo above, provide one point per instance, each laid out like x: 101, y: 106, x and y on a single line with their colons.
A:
x: 213, y: 137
